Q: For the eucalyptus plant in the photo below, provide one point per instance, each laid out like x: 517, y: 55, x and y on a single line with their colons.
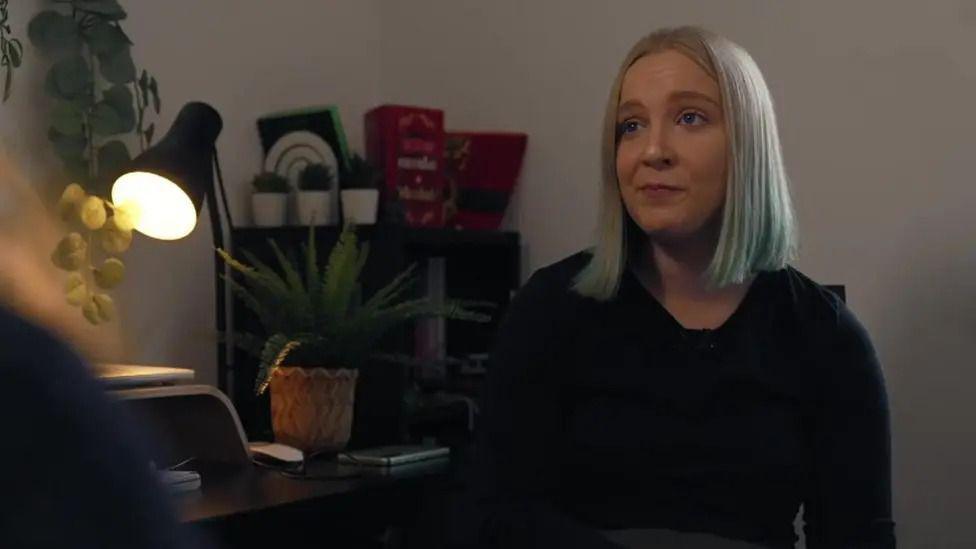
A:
x: 99, y: 101
x: 99, y: 95
x: 316, y: 317
x: 98, y: 233
x: 11, y: 52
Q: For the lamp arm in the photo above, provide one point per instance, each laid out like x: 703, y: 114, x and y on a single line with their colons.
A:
x: 218, y: 237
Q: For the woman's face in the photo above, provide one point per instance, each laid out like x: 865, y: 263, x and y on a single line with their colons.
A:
x: 671, y: 151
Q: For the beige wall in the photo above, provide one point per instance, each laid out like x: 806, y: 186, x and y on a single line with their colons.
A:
x: 875, y: 106
x: 246, y: 60
x: 875, y: 110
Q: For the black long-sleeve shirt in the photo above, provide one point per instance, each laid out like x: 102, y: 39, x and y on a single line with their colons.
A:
x: 610, y: 415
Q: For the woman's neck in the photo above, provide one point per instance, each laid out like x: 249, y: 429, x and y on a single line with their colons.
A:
x: 676, y: 271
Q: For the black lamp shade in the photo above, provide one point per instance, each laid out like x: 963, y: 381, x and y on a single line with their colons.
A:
x: 184, y: 157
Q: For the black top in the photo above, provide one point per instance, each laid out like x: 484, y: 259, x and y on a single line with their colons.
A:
x: 611, y: 415
x: 76, y: 467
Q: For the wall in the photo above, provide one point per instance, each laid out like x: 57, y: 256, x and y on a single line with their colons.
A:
x: 246, y: 60
x: 875, y: 113
x: 875, y: 110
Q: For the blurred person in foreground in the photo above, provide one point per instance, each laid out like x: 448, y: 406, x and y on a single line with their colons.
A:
x: 77, y: 467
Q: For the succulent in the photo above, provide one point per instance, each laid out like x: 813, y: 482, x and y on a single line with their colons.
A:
x: 316, y: 177
x: 269, y: 182
x: 362, y: 174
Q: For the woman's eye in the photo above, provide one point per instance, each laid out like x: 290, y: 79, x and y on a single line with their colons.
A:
x: 690, y: 114
x: 627, y: 126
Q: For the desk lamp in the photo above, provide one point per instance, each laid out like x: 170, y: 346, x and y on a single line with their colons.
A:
x: 165, y: 188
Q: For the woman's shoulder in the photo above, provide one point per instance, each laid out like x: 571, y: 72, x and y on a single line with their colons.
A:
x: 819, y: 312
x: 555, y: 281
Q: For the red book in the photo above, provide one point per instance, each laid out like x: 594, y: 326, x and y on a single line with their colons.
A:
x: 407, y: 145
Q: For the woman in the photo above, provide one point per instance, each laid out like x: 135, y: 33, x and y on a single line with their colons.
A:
x: 680, y: 385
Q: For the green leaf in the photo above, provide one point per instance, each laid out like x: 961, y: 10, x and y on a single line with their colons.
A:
x: 7, y: 80
x: 144, y: 82
x: 276, y: 349
x: 109, y: 9
x: 154, y: 90
x: 113, y: 157
x: 341, y: 273
x: 119, y: 98
x: 105, y: 121
x: 54, y: 33
x: 16, y: 52
x: 67, y: 119
x: 68, y: 146
x: 106, y: 39
x: 69, y: 79
x: 149, y: 133
x: 118, y: 68
x: 76, y: 169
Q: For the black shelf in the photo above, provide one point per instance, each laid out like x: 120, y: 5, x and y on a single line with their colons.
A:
x: 479, y: 265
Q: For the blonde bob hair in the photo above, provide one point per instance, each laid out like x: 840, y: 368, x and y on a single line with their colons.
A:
x: 758, y: 231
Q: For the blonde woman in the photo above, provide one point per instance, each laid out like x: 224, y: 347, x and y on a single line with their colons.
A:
x: 680, y: 384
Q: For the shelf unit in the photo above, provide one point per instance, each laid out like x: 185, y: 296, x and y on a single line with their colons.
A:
x: 477, y: 265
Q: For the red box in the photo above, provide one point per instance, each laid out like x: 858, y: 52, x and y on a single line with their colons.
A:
x: 481, y: 169
x: 407, y: 145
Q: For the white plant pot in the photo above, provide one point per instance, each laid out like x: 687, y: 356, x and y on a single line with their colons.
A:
x: 269, y: 209
x: 359, y: 205
x: 314, y: 207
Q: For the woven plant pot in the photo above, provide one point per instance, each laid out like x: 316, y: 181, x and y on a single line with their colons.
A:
x: 312, y: 408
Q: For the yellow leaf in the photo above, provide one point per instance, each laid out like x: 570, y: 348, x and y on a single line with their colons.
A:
x: 73, y: 194
x: 90, y: 310
x: 125, y: 215
x: 70, y: 253
x: 110, y: 274
x: 114, y: 240
x: 75, y: 289
x: 92, y: 212
x: 105, y: 307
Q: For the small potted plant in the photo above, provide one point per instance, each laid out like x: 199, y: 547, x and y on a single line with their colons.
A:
x: 314, y: 201
x: 318, y: 332
x: 360, y: 192
x: 270, y: 199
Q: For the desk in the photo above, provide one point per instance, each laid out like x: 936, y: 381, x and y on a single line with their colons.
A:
x: 248, y: 506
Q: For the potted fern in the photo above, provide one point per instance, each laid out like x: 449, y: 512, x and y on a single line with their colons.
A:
x: 318, y: 332
x: 270, y: 199
x: 360, y: 193
x: 314, y: 200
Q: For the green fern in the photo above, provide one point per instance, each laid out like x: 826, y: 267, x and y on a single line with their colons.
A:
x: 318, y: 318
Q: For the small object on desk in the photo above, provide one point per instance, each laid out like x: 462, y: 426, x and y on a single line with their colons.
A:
x: 118, y: 376
x: 276, y: 455
x: 387, y: 456
x: 179, y: 481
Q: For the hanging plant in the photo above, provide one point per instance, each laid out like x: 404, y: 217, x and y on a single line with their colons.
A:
x: 11, y: 53
x: 100, y: 100
x: 99, y: 95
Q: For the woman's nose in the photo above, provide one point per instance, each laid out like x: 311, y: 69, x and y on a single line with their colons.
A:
x: 657, y: 150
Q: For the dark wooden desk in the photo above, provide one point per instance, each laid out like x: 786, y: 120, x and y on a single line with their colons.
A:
x: 247, y: 506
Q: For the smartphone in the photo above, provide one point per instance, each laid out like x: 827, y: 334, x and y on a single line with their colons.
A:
x: 385, y: 456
